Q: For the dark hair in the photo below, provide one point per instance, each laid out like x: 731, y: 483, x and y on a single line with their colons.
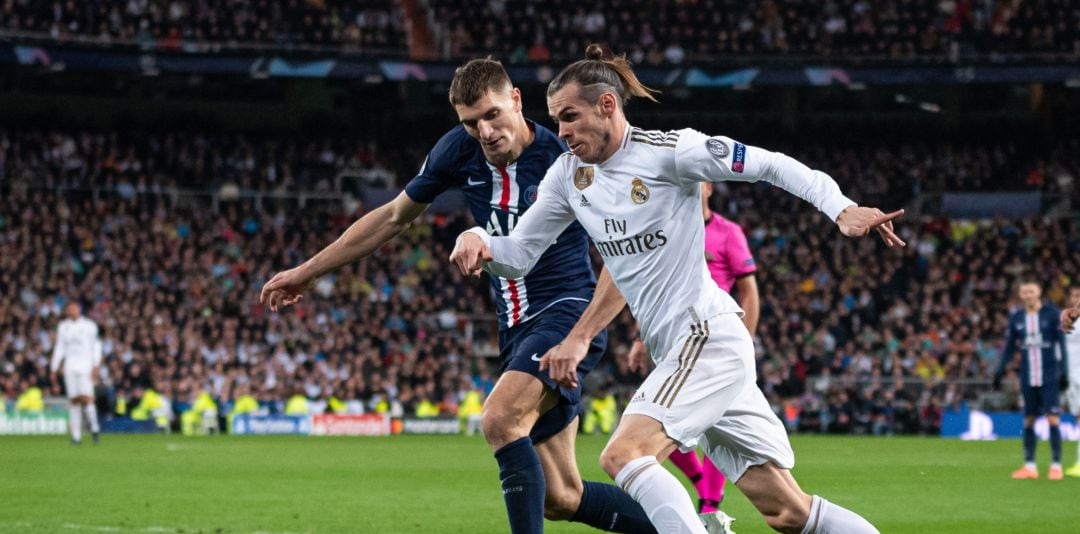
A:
x: 598, y: 75
x: 475, y: 78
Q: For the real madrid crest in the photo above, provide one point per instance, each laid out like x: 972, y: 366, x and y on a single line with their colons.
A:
x: 583, y: 177
x: 638, y: 192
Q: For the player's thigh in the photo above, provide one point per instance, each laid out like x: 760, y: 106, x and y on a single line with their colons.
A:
x: 518, y: 400
x: 522, y: 349
x: 693, y: 386
x: 748, y: 435
x: 79, y: 386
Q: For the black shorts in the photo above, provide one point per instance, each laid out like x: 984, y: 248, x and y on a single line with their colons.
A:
x: 523, y: 345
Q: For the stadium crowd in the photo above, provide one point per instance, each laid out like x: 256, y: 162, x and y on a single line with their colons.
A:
x: 151, y: 161
x: 142, y: 161
x: 852, y: 337
x: 675, y: 32
x: 176, y: 24
x: 650, y: 31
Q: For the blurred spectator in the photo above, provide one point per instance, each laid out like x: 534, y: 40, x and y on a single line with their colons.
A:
x: 202, y: 25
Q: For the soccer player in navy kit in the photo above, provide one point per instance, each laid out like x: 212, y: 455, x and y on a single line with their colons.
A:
x: 1035, y: 334
x: 497, y: 158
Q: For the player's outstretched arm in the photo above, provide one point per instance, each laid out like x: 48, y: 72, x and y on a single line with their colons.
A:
x: 358, y: 241
x: 700, y: 158
x: 561, y: 361
x: 513, y: 256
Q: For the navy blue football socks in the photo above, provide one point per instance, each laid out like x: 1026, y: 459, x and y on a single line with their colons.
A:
x: 523, y: 486
x: 1029, y: 444
x: 608, y: 507
x: 1055, y: 442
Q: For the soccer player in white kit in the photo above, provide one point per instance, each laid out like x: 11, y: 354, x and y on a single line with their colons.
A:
x: 78, y: 349
x: 637, y: 194
x: 1072, y: 347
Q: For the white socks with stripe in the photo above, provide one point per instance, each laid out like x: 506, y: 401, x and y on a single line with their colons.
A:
x: 75, y: 420
x: 661, y: 495
x: 828, y: 518
x: 91, y: 417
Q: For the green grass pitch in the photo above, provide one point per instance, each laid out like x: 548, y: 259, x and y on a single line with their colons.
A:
x: 440, y: 484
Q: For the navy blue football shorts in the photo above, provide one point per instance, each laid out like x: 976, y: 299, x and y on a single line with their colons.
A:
x: 1042, y: 400
x: 523, y: 345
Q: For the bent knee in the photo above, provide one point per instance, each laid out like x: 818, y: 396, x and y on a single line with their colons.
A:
x: 616, y: 455
x: 501, y: 428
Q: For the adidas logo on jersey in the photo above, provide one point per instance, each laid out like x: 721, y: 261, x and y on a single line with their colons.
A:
x: 585, y: 202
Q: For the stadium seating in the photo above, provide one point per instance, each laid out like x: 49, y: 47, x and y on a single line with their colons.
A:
x: 847, y: 342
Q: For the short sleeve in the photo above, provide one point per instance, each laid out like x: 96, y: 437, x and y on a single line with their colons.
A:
x: 438, y: 172
x: 740, y: 260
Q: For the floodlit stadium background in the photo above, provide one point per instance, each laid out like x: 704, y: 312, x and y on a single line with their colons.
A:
x: 159, y: 160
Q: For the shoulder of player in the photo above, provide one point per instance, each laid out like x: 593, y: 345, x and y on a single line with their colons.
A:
x: 547, y: 146
x: 655, y: 138
x: 455, y: 144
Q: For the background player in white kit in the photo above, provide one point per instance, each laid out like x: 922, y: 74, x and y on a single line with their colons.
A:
x: 637, y: 195
x: 1072, y: 347
x: 78, y: 350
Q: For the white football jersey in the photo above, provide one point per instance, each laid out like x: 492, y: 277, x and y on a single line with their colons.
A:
x: 1072, y: 352
x: 77, y: 346
x: 642, y: 209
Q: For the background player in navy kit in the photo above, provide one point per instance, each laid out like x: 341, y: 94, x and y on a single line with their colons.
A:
x: 1035, y: 334
x: 498, y: 158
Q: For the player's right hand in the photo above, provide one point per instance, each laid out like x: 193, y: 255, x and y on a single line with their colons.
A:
x: 1068, y: 318
x: 469, y: 254
x: 286, y: 288
x: 635, y: 359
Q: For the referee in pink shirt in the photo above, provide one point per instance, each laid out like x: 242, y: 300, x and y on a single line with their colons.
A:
x: 732, y: 266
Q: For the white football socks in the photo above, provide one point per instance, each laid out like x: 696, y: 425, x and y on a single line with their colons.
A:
x: 91, y: 417
x: 828, y: 518
x: 661, y: 495
x: 75, y: 416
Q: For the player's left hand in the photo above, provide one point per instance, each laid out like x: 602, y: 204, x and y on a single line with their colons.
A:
x: 1063, y: 381
x: 561, y: 361
x: 856, y: 221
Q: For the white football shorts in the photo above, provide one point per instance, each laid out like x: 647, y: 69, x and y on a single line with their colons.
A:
x: 705, y: 392
x: 78, y: 384
x: 1072, y: 396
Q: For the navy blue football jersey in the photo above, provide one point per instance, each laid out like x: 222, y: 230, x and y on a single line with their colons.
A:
x: 497, y: 197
